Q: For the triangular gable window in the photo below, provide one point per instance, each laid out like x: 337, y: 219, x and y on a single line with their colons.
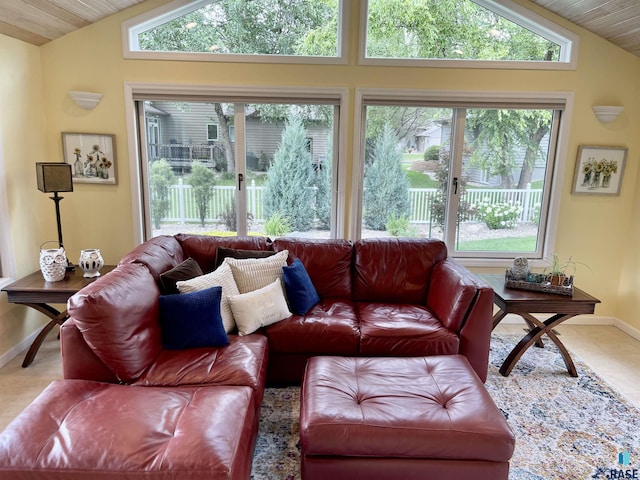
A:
x: 463, y: 33
x: 303, y: 31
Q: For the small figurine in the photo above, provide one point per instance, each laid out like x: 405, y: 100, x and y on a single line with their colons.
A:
x: 520, y: 268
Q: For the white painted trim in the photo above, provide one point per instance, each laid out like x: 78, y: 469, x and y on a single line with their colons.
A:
x: 6, y: 240
x: 341, y: 94
x: 569, y: 42
x: 626, y: 328
x: 130, y: 29
x: 16, y: 350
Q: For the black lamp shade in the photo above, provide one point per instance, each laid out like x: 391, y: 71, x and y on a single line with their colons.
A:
x: 54, y: 177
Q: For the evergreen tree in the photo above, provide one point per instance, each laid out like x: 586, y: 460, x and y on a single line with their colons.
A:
x: 323, y: 189
x: 201, y: 180
x: 386, y: 187
x: 161, y: 177
x: 288, y: 188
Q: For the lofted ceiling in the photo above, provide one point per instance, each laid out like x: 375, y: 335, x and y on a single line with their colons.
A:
x: 39, y: 21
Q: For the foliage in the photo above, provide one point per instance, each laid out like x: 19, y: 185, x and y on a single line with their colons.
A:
x: 499, y: 215
x: 386, y: 187
x: 277, y: 225
x: 432, y: 153
x: 201, y: 180
x: 439, y: 203
x: 230, y: 219
x: 290, y: 180
x: 161, y: 177
x: 400, y: 227
x: 557, y: 267
x: 323, y: 193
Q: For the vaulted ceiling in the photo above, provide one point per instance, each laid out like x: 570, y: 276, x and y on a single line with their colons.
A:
x: 40, y: 21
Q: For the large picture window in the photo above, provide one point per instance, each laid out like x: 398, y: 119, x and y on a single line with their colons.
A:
x: 477, y: 176
x: 263, y: 180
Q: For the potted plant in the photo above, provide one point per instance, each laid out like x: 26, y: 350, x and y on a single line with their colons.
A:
x: 558, y: 273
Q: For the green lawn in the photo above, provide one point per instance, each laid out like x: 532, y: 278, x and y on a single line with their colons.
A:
x: 507, y: 244
x: 419, y: 180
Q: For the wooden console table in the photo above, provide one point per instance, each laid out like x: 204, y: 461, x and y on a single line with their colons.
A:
x: 38, y: 294
x: 524, y: 303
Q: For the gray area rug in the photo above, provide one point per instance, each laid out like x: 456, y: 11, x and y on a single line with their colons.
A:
x: 565, y: 427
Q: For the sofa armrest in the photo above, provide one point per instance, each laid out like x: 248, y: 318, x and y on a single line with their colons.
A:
x: 464, y: 304
x: 78, y: 360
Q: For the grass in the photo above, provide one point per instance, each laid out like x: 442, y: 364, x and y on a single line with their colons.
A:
x: 506, y: 244
x: 419, y: 180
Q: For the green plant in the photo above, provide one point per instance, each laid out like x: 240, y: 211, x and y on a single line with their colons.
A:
x: 161, y: 177
x: 499, y: 215
x: 201, y: 180
x: 432, y: 153
x: 229, y: 217
x: 559, y: 268
x: 400, y: 227
x: 277, y: 225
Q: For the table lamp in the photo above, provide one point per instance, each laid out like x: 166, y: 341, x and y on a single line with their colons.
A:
x: 54, y: 178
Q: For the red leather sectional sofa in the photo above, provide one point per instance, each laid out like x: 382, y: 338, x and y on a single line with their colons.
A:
x: 379, y: 297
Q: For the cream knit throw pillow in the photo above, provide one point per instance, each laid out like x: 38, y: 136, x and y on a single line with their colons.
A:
x: 254, y: 273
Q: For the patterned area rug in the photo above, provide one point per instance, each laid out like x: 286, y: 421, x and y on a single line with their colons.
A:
x: 565, y: 427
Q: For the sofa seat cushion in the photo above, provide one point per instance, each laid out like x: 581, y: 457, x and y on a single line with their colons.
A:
x: 79, y: 429
x: 403, y: 330
x: 330, y: 327
x: 242, y: 362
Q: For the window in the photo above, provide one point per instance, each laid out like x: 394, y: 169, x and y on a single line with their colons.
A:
x: 302, y: 31
x: 212, y: 132
x: 261, y: 180
x: 464, y: 33
x: 475, y: 174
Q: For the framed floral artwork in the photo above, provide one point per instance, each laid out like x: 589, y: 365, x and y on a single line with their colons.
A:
x: 92, y: 157
x: 599, y: 170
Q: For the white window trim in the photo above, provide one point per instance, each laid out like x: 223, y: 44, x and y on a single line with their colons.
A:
x: 569, y: 42
x: 275, y: 93
x: 217, y: 132
x: 560, y: 165
x: 8, y: 273
x: 130, y: 29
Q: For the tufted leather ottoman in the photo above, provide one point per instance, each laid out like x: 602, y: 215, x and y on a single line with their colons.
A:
x: 82, y: 430
x: 408, y: 418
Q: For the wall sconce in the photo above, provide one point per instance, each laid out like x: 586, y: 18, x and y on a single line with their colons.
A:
x: 607, y: 113
x: 86, y: 100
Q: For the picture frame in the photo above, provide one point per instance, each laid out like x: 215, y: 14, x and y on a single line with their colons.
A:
x: 92, y: 157
x: 599, y: 170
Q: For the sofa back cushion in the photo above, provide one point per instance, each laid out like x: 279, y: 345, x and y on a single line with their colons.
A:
x: 395, y: 270
x: 328, y: 263
x: 159, y: 254
x: 204, y: 248
x: 118, y: 318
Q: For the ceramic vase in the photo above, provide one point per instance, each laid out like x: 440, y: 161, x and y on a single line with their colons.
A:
x: 91, y: 262
x: 53, y: 263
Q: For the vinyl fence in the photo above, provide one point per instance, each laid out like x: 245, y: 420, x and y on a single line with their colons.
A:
x: 184, y: 209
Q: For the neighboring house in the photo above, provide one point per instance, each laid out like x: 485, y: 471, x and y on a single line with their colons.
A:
x: 183, y: 132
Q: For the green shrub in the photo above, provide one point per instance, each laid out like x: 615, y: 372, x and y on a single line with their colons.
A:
x: 161, y: 177
x: 201, y: 180
x: 400, y: 226
x: 277, y: 225
x: 499, y: 215
x: 432, y: 153
x: 229, y: 217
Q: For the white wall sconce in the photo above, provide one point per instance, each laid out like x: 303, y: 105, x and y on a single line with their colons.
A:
x: 607, y: 113
x: 86, y: 100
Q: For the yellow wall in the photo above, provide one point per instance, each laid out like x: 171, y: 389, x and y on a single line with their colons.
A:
x: 594, y: 230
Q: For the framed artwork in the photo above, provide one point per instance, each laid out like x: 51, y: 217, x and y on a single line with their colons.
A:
x: 599, y: 170
x: 92, y: 157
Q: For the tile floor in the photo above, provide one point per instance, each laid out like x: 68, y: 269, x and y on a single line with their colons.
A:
x: 611, y: 353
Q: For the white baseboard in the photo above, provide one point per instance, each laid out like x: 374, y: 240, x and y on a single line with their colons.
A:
x: 16, y: 350
x: 626, y: 328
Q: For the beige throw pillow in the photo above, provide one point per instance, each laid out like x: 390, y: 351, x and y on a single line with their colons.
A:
x: 259, y: 308
x: 222, y: 277
x: 254, y: 273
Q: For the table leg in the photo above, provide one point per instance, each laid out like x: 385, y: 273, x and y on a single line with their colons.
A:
x: 532, y: 322
x: 530, y: 338
x: 497, y: 318
x: 57, y: 318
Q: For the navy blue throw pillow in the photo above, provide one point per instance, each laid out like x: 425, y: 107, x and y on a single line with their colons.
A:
x: 193, y: 319
x: 300, y: 291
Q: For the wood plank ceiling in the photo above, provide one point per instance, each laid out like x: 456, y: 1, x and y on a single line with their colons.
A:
x: 40, y: 21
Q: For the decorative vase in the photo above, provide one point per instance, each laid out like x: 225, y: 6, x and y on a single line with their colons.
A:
x: 91, y: 262
x: 53, y: 263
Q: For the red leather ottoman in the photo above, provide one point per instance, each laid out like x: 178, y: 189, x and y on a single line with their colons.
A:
x: 408, y: 418
x: 84, y: 430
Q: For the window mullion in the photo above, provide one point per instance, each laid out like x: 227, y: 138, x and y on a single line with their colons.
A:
x: 455, y: 174
x: 241, y: 168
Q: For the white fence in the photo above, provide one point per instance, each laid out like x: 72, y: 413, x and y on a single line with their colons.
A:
x: 184, y: 209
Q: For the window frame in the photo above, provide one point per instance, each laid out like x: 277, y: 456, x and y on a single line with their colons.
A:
x: 217, y: 137
x: 569, y: 42
x: 239, y: 95
x: 130, y: 29
x: 7, y: 261
x: 450, y: 98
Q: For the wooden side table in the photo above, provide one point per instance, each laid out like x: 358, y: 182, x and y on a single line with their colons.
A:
x: 524, y: 303
x: 38, y: 294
